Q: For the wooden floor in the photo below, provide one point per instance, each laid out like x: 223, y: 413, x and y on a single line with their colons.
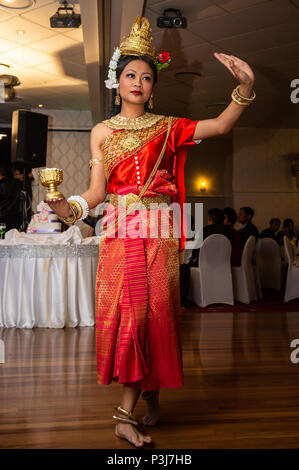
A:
x: 241, y: 389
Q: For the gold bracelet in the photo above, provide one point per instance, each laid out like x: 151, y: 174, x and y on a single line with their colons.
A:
x: 245, y: 98
x: 94, y: 161
x: 70, y: 220
x: 77, y: 208
x: 242, y: 100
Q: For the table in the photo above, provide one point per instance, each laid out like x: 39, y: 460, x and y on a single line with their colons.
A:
x: 49, y: 286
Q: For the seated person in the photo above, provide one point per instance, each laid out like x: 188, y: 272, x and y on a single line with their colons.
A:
x: 289, y: 231
x: 230, y: 218
x: 10, y: 200
x: 215, y: 225
x: 245, y: 218
x: 270, y: 232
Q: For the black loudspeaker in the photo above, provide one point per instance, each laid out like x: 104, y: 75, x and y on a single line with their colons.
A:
x: 29, y: 138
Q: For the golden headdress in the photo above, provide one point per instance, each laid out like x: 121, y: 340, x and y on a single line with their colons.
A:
x: 139, y: 42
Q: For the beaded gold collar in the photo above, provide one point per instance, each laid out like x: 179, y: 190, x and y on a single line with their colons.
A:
x: 144, y: 121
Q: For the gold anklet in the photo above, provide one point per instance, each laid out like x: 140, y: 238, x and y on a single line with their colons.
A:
x: 130, y: 417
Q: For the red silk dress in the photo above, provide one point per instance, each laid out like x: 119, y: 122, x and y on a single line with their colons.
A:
x: 138, y: 324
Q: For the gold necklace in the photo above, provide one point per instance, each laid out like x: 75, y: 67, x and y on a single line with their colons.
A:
x: 134, y: 124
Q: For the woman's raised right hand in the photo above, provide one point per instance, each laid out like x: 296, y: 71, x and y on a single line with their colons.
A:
x: 60, y: 207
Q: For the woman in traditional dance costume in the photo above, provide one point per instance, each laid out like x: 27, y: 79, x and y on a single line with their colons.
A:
x: 141, y: 156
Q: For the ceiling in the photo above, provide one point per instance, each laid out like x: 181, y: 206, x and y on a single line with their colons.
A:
x: 49, y: 62
x: 51, y: 67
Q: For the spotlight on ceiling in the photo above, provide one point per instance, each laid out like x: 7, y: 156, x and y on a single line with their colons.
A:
x: 68, y: 19
x: 172, y: 18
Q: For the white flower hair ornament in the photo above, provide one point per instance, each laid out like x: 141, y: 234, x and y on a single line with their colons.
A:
x: 112, y: 81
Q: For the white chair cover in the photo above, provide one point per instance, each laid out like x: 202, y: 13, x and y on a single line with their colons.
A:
x: 211, y: 281
x: 268, y: 262
x: 257, y: 278
x: 292, y: 284
x: 243, y: 276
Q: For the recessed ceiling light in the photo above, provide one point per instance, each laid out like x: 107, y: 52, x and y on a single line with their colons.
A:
x: 17, y: 4
x: 21, y: 32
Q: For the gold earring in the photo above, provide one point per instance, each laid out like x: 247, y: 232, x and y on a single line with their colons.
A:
x: 151, y: 101
x: 117, y: 98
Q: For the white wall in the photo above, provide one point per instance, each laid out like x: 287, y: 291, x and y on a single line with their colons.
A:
x: 262, y: 179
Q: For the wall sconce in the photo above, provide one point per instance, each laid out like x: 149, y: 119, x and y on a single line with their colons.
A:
x: 203, y: 186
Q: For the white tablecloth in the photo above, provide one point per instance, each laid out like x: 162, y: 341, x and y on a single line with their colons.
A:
x: 47, y: 285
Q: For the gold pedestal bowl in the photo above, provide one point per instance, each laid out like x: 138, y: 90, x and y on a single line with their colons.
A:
x: 51, y: 178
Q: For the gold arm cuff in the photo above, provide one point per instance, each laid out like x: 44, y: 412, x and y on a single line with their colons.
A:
x: 94, y: 161
x: 77, y: 208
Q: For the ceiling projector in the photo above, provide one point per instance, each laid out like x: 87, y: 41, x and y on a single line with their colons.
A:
x: 66, y: 19
x: 172, y: 18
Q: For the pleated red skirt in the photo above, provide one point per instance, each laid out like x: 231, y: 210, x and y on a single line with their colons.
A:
x: 138, y: 322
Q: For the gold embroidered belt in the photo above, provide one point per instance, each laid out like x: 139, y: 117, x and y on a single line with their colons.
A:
x: 125, y: 200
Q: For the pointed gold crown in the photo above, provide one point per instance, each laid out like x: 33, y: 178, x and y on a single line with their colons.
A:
x: 140, y: 41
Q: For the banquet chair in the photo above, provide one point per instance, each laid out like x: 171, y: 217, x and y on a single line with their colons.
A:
x: 257, y: 277
x: 292, y: 284
x: 243, y: 276
x: 268, y: 263
x: 211, y: 281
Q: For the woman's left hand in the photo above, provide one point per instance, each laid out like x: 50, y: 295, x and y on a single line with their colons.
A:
x: 239, y: 69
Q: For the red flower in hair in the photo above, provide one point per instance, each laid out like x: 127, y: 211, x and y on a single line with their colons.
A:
x: 163, y: 57
x: 162, y: 60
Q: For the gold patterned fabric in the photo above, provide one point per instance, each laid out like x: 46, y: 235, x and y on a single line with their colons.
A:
x: 123, y: 143
x: 117, y: 356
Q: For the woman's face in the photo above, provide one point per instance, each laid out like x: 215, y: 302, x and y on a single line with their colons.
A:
x: 136, y: 82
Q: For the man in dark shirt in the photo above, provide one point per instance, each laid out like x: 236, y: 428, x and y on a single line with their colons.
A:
x: 215, y: 225
x: 245, y: 218
x: 230, y: 218
x: 271, y: 232
x: 10, y: 194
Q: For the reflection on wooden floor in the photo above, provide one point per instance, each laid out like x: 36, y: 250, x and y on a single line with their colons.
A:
x: 241, y: 389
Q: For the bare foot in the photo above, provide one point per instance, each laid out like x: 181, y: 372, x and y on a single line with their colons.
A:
x: 132, y: 434
x: 153, y: 408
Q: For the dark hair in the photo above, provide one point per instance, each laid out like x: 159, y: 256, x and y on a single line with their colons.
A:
x: 248, y: 211
x: 286, y: 222
x: 216, y: 216
x: 230, y: 214
x: 275, y: 219
x: 122, y: 63
x: 16, y: 168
